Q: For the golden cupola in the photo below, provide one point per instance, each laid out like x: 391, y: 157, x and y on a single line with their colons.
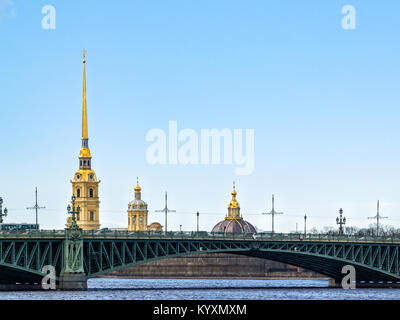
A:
x: 138, y: 213
x: 137, y: 189
x: 137, y: 203
x: 233, y: 221
x: 85, y: 186
x: 234, y: 207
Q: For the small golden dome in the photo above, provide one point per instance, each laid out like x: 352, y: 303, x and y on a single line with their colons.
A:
x: 137, y: 188
x: 234, y: 204
x: 84, y: 153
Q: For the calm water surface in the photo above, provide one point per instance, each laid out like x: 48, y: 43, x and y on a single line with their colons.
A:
x: 210, y: 289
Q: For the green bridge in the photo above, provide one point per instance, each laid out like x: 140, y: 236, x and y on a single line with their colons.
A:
x: 78, y: 255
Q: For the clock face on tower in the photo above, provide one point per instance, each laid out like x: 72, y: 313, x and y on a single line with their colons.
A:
x: 91, y: 177
x: 78, y: 176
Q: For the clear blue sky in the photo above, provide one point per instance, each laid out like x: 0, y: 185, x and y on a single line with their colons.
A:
x: 323, y: 103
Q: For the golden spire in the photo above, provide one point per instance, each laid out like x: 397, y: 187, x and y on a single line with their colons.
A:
x: 84, y: 107
x: 85, y: 152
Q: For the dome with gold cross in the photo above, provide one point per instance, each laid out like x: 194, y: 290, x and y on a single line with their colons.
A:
x: 137, y: 203
x: 138, y: 213
x: 234, y: 221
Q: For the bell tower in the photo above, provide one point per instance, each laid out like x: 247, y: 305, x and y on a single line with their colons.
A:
x: 85, y: 186
x: 137, y: 212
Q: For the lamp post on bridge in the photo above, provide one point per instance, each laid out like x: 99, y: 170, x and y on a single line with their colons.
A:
x: 341, y: 222
x: 198, y: 214
x: 272, y: 213
x: 2, y: 213
x: 36, y: 208
x: 377, y: 217
x: 73, y: 212
x: 305, y: 225
x: 166, y: 210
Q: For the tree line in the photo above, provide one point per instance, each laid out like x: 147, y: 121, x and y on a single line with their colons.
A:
x: 384, y: 230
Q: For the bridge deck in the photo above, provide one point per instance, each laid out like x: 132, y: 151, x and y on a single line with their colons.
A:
x: 106, y: 234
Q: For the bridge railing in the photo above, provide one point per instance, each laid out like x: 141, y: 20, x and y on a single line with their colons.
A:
x: 237, y: 236
x: 120, y: 234
x: 15, y: 233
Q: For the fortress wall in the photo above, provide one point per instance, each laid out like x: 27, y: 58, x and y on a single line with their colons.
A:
x: 215, y: 265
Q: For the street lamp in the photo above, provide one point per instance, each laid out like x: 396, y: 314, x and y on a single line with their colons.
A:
x: 2, y: 213
x: 341, y: 221
x: 165, y: 210
x: 72, y: 212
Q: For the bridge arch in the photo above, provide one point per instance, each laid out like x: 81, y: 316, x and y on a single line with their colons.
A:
x: 21, y: 260
x: 326, y: 265
x: 372, y: 262
x: 11, y: 274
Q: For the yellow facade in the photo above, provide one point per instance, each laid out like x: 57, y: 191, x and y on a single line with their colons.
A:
x: 138, y: 214
x: 85, y: 186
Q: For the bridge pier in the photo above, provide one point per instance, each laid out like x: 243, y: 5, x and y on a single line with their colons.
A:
x: 73, y: 281
x: 72, y: 276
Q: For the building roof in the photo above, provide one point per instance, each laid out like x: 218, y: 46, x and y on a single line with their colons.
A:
x: 233, y: 221
x: 234, y: 225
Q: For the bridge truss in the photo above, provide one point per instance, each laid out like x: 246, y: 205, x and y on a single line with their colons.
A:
x: 23, y: 256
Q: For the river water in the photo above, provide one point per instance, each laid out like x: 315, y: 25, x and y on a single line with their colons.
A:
x: 206, y: 289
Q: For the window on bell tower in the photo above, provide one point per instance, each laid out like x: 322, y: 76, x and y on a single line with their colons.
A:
x: 91, y: 193
x: 78, y: 193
